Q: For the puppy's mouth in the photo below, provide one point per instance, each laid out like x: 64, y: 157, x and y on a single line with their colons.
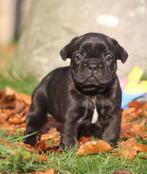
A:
x: 92, y: 84
x: 92, y: 81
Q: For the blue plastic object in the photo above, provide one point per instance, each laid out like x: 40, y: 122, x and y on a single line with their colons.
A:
x: 126, y: 98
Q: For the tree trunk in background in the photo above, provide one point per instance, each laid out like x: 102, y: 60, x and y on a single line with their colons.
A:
x: 7, y: 8
x: 52, y: 23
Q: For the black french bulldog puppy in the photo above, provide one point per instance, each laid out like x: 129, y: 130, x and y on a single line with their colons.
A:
x: 84, y: 97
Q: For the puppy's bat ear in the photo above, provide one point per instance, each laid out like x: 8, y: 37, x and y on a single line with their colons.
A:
x: 66, y: 52
x: 121, y: 53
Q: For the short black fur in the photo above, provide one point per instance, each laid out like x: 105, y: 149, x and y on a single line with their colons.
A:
x: 71, y: 93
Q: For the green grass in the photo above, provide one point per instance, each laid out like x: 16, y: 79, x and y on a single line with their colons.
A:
x: 18, y: 160
x: 10, y: 77
x: 23, y: 84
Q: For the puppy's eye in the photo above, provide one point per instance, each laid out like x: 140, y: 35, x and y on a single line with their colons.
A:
x: 78, y: 56
x: 108, y: 57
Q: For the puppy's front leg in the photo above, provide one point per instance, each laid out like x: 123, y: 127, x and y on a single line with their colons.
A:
x: 36, y: 117
x: 112, y: 129
x: 69, y: 132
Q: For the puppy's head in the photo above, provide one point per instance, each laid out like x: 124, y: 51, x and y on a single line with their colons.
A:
x: 93, y: 59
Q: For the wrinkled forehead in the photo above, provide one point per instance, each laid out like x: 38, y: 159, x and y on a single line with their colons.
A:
x: 95, y: 45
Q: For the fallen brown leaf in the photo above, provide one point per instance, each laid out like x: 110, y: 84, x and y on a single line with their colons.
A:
x: 9, y: 92
x: 134, y: 120
x: 120, y: 171
x: 84, y: 140
x: 13, y: 109
x: 15, y: 120
x: 49, y: 140
x: 130, y: 148
x: 23, y: 97
x: 93, y: 147
x: 43, y: 158
x: 142, y: 147
x: 51, y: 134
x: 134, y: 104
x: 50, y: 171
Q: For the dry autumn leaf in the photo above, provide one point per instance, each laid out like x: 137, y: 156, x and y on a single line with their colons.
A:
x: 43, y: 158
x: 9, y: 92
x: 134, y: 120
x: 130, y: 129
x: 130, y: 148
x: 23, y: 97
x: 50, y: 171
x: 15, y: 120
x: 49, y: 140
x: 13, y: 109
x: 128, y: 152
x: 142, y: 147
x: 134, y: 104
x: 120, y: 171
x: 93, y: 147
x: 51, y: 134
x: 84, y: 140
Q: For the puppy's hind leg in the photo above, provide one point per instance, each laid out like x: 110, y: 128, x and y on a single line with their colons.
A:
x: 36, y: 117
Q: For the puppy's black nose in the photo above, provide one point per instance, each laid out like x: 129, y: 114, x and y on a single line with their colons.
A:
x: 93, y: 65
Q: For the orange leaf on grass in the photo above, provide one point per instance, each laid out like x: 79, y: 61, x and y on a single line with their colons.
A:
x: 9, y: 92
x: 52, y: 137
x: 51, y: 134
x: 40, y: 146
x: 130, y: 148
x: 24, y: 98
x: 43, y: 158
x: 45, y: 137
x: 134, y: 104
x: 93, y: 147
x: 138, y: 128
x: 84, y: 140
x: 15, y: 120
x: 50, y: 171
x: 19, y: 107
x: 121, y: 171
x: 49, y: 140
x: 131, y: 114
x: 133, y: 129
x: 13, y: 109
x: 142, y: 147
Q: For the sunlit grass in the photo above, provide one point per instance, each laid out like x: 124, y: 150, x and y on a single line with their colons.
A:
x: 16, y: 159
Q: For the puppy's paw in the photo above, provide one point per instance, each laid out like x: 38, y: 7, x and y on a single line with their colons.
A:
x: 67, y: 145
x: 113, y: 143
x: 32, y: 139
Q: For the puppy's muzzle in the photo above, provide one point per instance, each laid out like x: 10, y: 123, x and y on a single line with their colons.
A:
x: 93, y: 65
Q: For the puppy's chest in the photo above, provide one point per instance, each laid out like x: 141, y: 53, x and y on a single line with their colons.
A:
x: 92, y: 112
x: 95, y: 116
x: 95, y: 112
